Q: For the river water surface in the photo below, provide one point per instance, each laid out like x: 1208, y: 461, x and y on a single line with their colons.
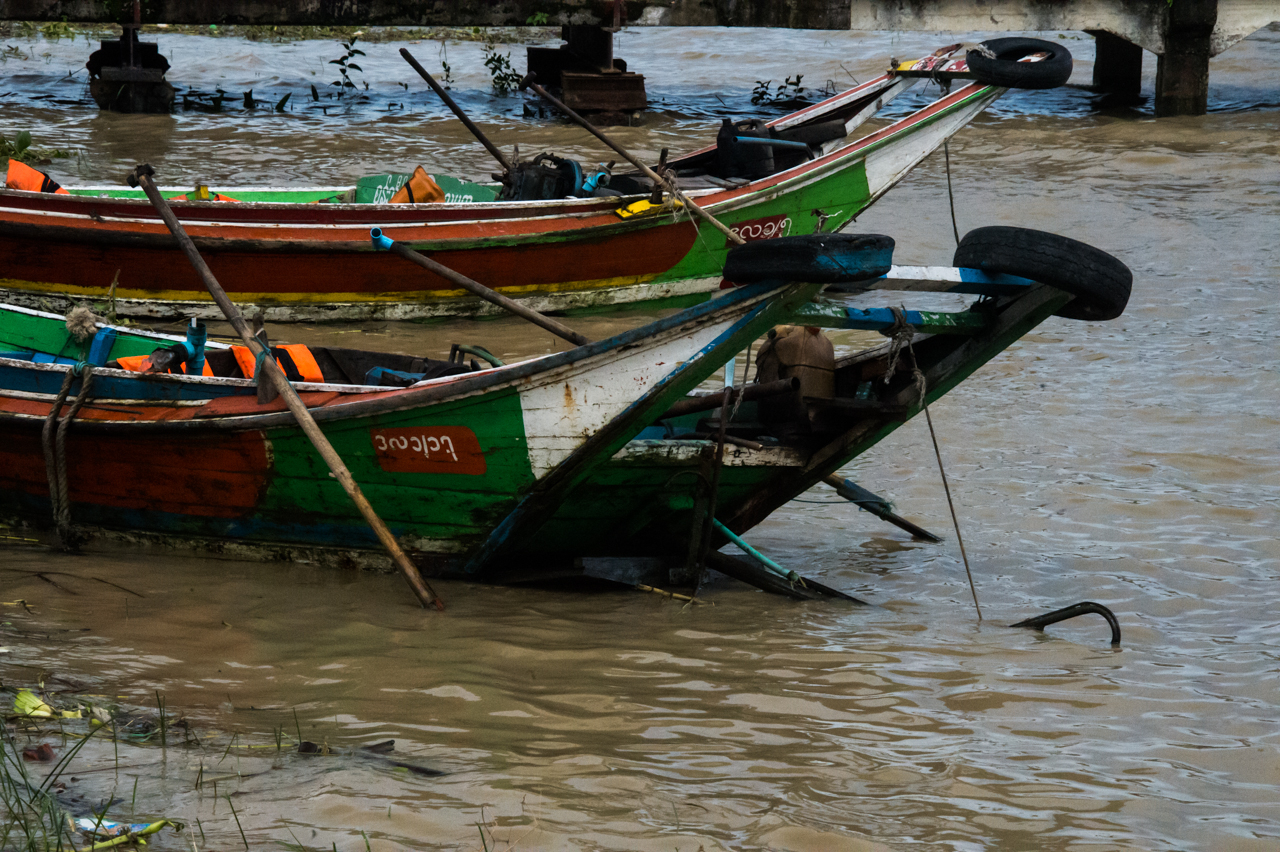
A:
x: 1134, y: 462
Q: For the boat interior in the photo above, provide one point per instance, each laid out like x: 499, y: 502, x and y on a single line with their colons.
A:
x: 744, y: 150
x: 791, y: 391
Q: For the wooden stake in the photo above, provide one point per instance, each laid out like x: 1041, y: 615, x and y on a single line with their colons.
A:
x: 457, y: 110
x: 658, y: 180
x: 141, y: 176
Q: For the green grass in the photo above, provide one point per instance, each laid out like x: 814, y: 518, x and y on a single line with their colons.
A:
x: 31, y: 819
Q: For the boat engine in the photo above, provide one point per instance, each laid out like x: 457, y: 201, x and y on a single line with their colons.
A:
x: 547, y: 176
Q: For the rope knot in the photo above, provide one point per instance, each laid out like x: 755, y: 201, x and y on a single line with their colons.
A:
x: 900, y: 334
x: 82, y: 323
x: 257, y: 363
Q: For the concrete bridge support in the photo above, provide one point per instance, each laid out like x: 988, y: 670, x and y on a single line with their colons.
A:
x: 1184, y: 34
x: 1182, y: 74
x: 1117, y: 65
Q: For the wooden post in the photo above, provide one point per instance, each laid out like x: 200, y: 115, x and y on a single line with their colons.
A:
x: 141, y: 176
x: 1182, y: 72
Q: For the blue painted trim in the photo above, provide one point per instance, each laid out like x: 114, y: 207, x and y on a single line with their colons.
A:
x: 100, y: 349
x: 980, y: 283
x: 20, y: 378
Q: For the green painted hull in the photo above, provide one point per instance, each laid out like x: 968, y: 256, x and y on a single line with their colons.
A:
x: 240, y: 480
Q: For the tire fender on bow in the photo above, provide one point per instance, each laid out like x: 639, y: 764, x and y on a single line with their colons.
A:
x: 995, y: 63
x: 1100, y: 283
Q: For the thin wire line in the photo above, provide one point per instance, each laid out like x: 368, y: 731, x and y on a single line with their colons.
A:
x: 954, y: 520
x: 946, y: 152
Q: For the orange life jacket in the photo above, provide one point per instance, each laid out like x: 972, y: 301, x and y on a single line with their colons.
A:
x: 142, y: 363
x: 419, y: 189
x: 212, y: 196
x: 299, y: 353
x: 22, y: 176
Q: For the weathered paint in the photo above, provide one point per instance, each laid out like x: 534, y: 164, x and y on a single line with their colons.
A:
x: 831, y: 315
x: 141, y: 466
x: 309, y: 261
x: 216, y: 478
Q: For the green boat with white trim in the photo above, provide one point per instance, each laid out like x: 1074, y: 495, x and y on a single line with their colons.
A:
x: 598, y: 455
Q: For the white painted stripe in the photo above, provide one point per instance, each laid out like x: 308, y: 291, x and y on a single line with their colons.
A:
x: 560, y: 415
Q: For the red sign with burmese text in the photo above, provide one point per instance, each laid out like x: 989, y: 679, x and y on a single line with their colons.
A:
x: 428, y: 449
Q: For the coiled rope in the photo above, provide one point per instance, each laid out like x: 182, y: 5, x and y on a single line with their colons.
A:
x: 53, y: 439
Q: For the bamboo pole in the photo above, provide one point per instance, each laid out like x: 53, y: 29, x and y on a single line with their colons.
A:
x: 559, y: 329
x: 141, y: 176
x: 457, y: 110
x: 659, y: 180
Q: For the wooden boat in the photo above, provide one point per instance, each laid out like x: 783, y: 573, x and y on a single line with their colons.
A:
x: 300, y: 260
x: 521, y: 470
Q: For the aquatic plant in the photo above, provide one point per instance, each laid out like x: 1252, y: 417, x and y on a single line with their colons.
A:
x: 20, y: 149
x: 505, y: 78
x: 346, y: 66
x: 446, y: 79
x: 788, y: 90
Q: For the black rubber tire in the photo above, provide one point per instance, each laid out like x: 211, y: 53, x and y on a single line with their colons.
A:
x: 1005, y: 70
x: 1100, y: 283
x: 819, y: 258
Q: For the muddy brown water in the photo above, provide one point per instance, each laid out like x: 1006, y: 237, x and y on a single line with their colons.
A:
x: 1135, y: 463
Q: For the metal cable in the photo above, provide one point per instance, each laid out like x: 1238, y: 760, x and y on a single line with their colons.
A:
x: 955, y: 230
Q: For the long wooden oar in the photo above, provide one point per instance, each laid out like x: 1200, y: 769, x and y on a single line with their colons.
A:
x: 561, y: 330
x: 659, y: 180
x: 457, y: 110
x: 141, y: 176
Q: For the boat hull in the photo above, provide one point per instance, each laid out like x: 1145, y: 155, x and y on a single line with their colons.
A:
x: 450, y: 462
x: 315, y: 262
x: 443, y: 462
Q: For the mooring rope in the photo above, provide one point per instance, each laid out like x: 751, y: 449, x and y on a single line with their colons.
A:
x: 53, y: 439
x: 901, y: 334
x: 951, y: 199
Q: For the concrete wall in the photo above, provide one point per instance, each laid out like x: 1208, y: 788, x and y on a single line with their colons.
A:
x: 1142, y: 22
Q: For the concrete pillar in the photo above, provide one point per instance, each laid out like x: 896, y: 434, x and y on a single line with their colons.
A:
x: 1117, y: 69
x: 1182, y: 74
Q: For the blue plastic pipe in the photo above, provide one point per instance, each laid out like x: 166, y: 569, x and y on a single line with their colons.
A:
x: 789, y: 576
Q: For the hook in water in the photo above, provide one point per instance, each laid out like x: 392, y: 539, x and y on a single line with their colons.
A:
x: 1040, y: 622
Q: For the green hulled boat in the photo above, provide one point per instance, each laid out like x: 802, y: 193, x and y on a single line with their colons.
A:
x: 531, y: 469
